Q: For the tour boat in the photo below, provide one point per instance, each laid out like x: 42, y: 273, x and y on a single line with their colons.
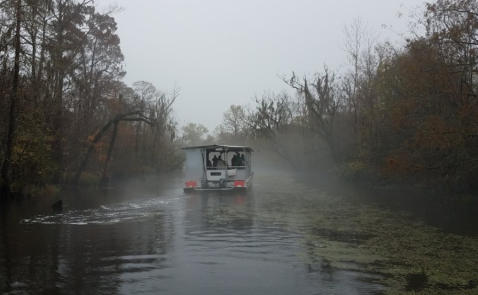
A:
x: 218, y: 168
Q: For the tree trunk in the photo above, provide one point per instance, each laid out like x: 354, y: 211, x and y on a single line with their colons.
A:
x: 5, y: 186
x: 42, y: 52
x: 90, y: 150
x: 99, y: 135
x: 104, y: 178
x: 57, y: 124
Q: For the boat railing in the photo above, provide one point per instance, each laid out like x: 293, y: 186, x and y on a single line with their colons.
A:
x: 233, y: 172
x: 229, y: 167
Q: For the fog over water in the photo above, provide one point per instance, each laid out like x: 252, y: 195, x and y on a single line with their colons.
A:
x: 148, y: 237
x: 287, y: 236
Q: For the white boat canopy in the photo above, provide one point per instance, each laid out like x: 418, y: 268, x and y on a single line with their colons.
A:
x: 231, y: 148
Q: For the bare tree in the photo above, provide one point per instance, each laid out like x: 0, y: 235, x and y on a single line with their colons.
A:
x: 359, y: 42
x: 233, y: 120
x: 322, y: 104
x: 272, y: 120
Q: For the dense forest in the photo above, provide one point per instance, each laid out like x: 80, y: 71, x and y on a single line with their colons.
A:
x: 406, y: 114
x: 397, y: 113
x: 65, y: 114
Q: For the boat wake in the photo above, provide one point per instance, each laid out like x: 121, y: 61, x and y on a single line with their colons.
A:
x: 105, y: 214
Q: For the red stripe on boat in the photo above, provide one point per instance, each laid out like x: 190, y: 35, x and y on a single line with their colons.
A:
x: 239, y: 183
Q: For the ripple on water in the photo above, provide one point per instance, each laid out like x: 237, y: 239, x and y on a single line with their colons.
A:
x: 105, y: 214
x: 180, y: 252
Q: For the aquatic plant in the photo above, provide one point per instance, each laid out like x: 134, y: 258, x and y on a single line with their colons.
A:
x: 409, y: 255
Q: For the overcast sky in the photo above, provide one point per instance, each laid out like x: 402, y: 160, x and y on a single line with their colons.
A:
x: 223, y: 52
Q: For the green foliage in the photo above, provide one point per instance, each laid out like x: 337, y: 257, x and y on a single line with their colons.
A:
x: 171, y: 160
x: 354, y: 171
x: 32, y: 157
x: 89, y: 179
x: 194, y: 134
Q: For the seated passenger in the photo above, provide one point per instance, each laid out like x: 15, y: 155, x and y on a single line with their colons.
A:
x: 243, y: 160
x: 238, y: 160
x: 220, y: 163
x: 234, y: 161
x: 214, y: 161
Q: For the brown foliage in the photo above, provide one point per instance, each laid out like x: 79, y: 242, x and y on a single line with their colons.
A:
x: 410, y: 112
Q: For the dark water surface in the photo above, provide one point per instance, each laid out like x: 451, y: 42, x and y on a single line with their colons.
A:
x: 148, y: 237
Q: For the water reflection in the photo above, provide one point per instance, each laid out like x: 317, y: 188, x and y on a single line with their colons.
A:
x: 147, y: 237
x: 94, y: 245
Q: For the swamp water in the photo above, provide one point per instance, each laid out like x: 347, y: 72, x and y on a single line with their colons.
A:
x: 284, y: 237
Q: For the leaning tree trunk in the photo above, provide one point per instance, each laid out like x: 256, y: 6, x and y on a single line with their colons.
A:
x: 99, y: 135
x: 104, y: 178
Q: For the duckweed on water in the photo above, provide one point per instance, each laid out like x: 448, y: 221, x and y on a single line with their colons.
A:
x: 409, y: 255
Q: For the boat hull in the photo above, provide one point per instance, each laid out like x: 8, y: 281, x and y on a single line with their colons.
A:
x: 247, y: 184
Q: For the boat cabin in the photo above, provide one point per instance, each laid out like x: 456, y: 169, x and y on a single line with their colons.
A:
x: 218, y: 167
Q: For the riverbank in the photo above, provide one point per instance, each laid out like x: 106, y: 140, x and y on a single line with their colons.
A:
x: 88, y: 180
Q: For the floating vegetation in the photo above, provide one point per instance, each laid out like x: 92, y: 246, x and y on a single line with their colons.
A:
x: 227, y: 215
x: 409, y: 256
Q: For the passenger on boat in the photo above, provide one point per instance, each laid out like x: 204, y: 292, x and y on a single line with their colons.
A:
x: 220, y: 163
x: 234, y: 161
x: 243, y: 160
x: 238, y: 160
x: 214, y: 161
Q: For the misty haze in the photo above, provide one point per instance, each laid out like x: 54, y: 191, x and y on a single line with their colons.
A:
x: 238, y: 147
